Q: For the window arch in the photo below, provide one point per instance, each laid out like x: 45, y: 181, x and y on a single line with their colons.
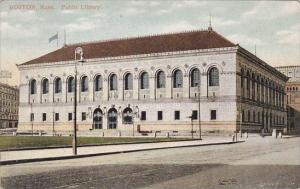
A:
x: 71, y: 84
x: 128, y: 81
x: 144, y: 80
x: 127, y: 116
x: 160, y: 79
x: 195, y: 77
x: 98, y: 83
x: 84, y: 84
x: 213, y: 76
x: 57, y: 85
x: 177, y: 79
x: 113, y: 82
x: 45, y: 86
x: 32, y: 85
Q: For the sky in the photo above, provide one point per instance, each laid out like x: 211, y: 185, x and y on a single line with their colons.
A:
x: 25, y: 26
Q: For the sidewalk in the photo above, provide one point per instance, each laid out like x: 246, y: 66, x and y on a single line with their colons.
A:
x: 24, y: 156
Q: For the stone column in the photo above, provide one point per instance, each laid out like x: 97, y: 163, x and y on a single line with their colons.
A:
x: 120, y: 88
x: 38, y: 98
x: 169, y: 86
x: 105, y: 89
x: 135, y: 87
x: 51, y: 91
x: 186, y: 85
x: 152, y: 87
x: 203, y: 85
x: 91, y: 90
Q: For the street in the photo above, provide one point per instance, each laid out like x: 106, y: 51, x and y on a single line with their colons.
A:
x: 256, y: 163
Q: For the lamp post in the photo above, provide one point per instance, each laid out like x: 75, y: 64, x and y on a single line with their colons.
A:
x: 78, y: 51
x: 31, y: 118
x: 53, y: 121
x: 200, y: 137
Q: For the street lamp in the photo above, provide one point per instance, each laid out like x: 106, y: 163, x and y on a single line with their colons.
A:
x: 54, y: 117
x: 31, y: 118
x: 200, y: 137
x: 78, y: 51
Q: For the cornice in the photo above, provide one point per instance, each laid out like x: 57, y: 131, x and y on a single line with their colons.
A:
x: 254, y: 59
x: 151, y: 56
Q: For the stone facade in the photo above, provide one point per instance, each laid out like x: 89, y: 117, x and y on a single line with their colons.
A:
x: 9, y: 106
x: 157, y: 91
x: 292, y: 91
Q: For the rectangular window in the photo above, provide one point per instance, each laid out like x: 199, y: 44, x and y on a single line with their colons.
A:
x: 213, y: 114
x: 83, y: 116
x: 177, y: 115
x: 258, y: 117
x: 44, y: 116
x: 143, y: 115
x: 56, y: 116
x: 159, y: 115
x: 70, y: 115
x: 195, y: 114
x: 32, y: 117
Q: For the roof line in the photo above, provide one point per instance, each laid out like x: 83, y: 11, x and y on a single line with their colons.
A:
x: 138, y: 37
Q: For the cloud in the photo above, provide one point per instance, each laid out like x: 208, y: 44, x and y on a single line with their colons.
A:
x: 20, y: 16
x: 245, y: 39
x: 188, y: 4
x: 17, y: 31
x: 178, y: 26
x: 262, y: 10
x: 132, y: 11
x: 82, y: 24
x: 289, y: 37
x: 139, y: 3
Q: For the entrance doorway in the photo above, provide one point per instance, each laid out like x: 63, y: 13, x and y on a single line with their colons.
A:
x: 97, y: 119
x: 112, y: 118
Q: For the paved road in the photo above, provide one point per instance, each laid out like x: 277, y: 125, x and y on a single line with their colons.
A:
x: 257, y: 163
x: 62, y: 152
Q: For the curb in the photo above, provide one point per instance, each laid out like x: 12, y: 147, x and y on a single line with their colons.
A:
x: 11, y: 162
x: 89, y: 145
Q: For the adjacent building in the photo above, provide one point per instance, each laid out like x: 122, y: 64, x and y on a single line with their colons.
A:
x: 9, y: 106
x: 153, y: 83
x: 292, y: 90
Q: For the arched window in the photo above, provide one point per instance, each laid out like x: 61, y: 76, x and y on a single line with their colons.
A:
x: 127, y: 116
x: 195, y: 78
x: 177, y: 79
x: 45, y: 86
x: 113, y: 82
x: 98, y: 83
x: 213, y: 76
x: 144, y: 80
x: 160, y: 80
x: 32, y: 85
x: 128, y: 81
x: 71, y: 85
x: 248, y: 80
x: 57, y: 85
x: 84, y: 84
